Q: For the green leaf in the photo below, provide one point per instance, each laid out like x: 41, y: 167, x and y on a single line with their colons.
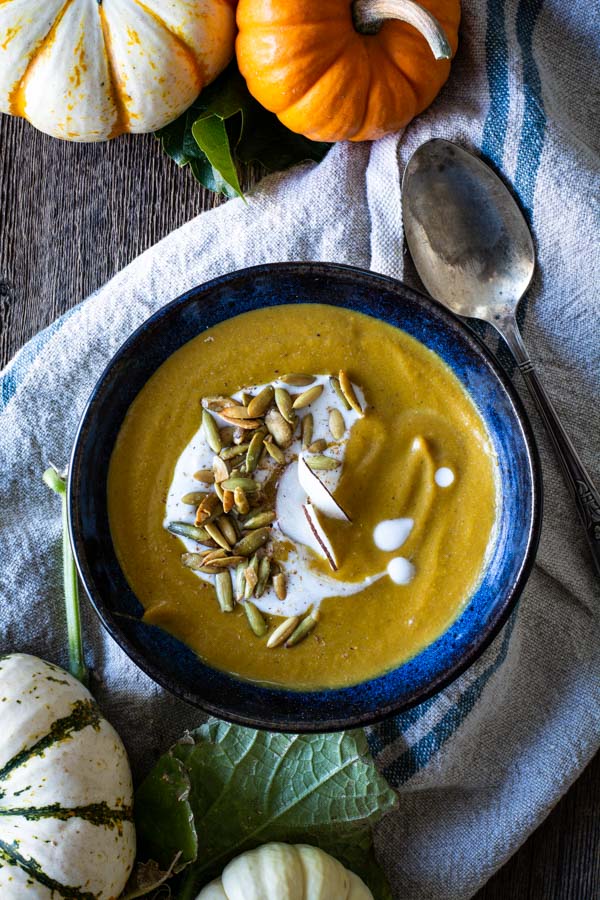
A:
x: 246, y: 787
x: 226, y: 126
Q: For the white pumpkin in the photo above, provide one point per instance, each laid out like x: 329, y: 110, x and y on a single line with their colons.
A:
x: 286, y: 872
x: 65, y: 789
x: 89, y: 70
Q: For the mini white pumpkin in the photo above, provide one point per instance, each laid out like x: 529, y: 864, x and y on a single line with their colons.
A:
x: 286, y: 872
x: 89, y: 70
x: 66, y: 796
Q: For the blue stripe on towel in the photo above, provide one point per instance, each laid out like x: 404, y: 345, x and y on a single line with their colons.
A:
x: 496, y: 51
x: 416, y: 757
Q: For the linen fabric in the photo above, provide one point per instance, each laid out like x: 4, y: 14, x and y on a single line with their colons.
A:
x: 480, y: 765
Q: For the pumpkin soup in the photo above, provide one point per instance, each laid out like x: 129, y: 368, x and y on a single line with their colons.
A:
x: 310, y: 529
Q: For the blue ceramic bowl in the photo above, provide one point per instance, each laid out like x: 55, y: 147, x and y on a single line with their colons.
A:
x: 175, y: 666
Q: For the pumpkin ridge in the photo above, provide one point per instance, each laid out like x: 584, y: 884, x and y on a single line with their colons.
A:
x: 10, y: 854
x: 121, y: 125
x: 185, y: 47
x: 84, y: 713
x: 16, y: 103
x: 99, y: 814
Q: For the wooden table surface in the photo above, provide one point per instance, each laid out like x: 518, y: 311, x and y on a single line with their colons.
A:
x: 71, y: 216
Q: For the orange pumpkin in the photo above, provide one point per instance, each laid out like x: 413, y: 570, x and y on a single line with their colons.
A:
x: 338, y: 70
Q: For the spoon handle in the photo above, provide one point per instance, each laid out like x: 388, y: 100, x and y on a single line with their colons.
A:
x: 585, y: 495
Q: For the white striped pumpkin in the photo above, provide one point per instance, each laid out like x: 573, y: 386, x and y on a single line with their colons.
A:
x: 286, y: 872
x: 89, y: 70
x: 66, y: 828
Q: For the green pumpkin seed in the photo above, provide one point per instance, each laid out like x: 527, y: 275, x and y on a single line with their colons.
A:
x: 258, y: 405
x: 322, y: 463
x: 284, y: 405
x: 335, y: 384
x: 248, y: 485
x: 219, y: 492
x: 250, y: 543
x: 254, y: 452
x: 274, y: 451
x: 256, y: 620
x: 307, y: 430
x: 297, y: 380
x: 232, y: 452
x: 264, y: 570
x: 217, y: 535
x: 224, y: 591
x: 246, y: 398
x: 279, y: 585
x: 281, y: 430
x: 226, y: 435
x: 226, y: 562
x: 206, y: 476
x: 259, y: 519
x: 193, y: 532
x: 193, y: 498
x: 241, y: 501
x: 226, y: 526
x: 318, y: 446
x: 307, y: 397
x: 303, y: 629
x: 211, y: 432
x: 348, y: 392
x: 282, y: 632
x: 337, y: 426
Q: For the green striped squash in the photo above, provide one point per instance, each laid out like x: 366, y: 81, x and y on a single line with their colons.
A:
x: 66, y: 829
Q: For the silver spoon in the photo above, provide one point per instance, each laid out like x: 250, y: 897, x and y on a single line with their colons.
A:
x: 474, y: 253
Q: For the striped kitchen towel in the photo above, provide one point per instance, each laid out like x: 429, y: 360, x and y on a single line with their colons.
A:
x: 480, y: 765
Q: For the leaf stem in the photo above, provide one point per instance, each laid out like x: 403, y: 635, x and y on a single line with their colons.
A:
x: 57, y: 483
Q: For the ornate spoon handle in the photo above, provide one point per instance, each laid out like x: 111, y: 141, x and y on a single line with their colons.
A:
x: 583, y: 491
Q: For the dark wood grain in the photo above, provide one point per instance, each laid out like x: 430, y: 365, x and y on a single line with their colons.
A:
x: 73, y: 215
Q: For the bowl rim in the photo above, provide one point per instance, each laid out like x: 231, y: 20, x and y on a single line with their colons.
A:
x: 419, y: 694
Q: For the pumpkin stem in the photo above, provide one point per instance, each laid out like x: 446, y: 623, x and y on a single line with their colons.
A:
x: 57, y: 482
x: 370, y: 14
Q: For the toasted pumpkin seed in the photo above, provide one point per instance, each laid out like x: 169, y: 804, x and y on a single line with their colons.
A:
x: 250, y: 543
x: 193, y: 498
x: 245, y: 424
x: 224, y: 591
x: 318, y: 446
x: 193, y: 561
x: 239, y: 436
x: 251, y: 575
x: 281, y: 430
x: 256, y: 620
x: 220, y: 469
x: 264, y: 570
x: 185, y: 529
x: 279, y: 585
x: 227, y: 501
x: 208, y: 508
x: 216, y: 403
x: 303, y: 629
x: 254, y: 451
x: 337, y: 426
x: 246, y: 397
x: 219, y: 492
x: 284, y: 405
x: 232, y: 452
x: 335, y: 384
x: 297, y: 380
x: 211, y: 555
x: 226, y: 435
x: 236, y: 412
x: 259, y: 519
x: 241, y: 501
x: 307, y: 430
x: 282, y: 632
x: 205, y: 476
x: 349, y: 393
x: 226, y: 526
x: 258, y: 405
x: 217, y: 535
x: 248, y: 485
x: 211, y: 432
x: 274, y: 451
x: 307, y: 397
x: 226, y: 562
x: 322, y: 463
